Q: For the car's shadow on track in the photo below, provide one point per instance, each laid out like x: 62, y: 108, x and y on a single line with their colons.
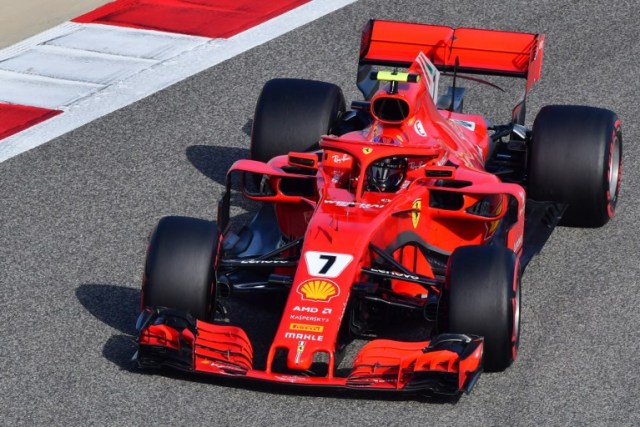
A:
x: 214, y: 161
x: 119, y: 306
x: 115, y: 306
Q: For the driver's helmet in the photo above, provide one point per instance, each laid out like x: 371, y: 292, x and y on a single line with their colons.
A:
x: 386, y: 174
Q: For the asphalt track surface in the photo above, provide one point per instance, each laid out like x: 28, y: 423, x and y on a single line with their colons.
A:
x: 76, y: 213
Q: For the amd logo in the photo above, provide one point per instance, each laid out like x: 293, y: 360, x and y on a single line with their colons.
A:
x: 301, y: 309
x: 306, y: 309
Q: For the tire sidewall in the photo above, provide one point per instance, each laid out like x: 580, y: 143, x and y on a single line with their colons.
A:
x: 483, y: 298
x: 570, y: 159
x: 291, y: 115
x: 180, y: 266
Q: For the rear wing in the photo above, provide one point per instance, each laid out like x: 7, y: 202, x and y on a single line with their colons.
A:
x: 463, y: 50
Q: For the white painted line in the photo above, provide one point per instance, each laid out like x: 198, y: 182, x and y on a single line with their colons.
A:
x: 165, y: 73
x: 44, y: 92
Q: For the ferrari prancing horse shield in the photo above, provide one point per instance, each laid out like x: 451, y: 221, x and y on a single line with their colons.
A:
x: 415, y: 212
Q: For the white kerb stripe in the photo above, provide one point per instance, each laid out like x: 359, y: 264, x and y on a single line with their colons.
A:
x: 127, y: 41
x: 39, y: 91
x: 77, y: 65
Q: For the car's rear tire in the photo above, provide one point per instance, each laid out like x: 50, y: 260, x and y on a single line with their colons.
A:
x: 292, y: 114
x: 179, y: 269
x: 483, y: 298
x: 576, y: 158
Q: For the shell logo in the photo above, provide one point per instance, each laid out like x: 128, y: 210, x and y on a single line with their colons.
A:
x: 318, y: 290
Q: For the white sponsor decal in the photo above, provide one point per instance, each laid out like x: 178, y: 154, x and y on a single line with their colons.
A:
x: 304, y: 318
x: 263, y: 261
x: 302, y: 309
x: 442, y: 159
x: 336, y: 158
x: 306, y: 309
x: 419, y: 128
x: 415, y: 165
x: 287, y: 378
x: 465, y: 123
x: 326, y: 264
x: 344, y: 204
x: 394, y: 273
x: 303, y: 337
x: 431, y: 73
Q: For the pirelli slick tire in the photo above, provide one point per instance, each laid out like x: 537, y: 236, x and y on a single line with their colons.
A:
x: 292, y: 114
x: 179, y: 269
x: 575, y: 158
x: 482, y: 294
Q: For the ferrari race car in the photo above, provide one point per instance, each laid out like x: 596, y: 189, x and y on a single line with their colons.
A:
x: 400, y: 214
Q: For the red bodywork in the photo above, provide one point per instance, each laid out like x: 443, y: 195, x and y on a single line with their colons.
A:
x: 341, y: 220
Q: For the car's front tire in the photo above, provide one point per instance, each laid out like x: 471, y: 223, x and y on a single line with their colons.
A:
x: 179, y: 269
x: 482, y: 295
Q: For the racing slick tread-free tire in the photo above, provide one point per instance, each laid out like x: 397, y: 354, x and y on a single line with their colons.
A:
x: 483, y: 297
x: 179, y: 270
x: 292, y: 114
x: 576, y: 158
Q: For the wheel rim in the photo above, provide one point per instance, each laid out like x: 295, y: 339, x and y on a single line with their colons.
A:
x: 515, y: 335
x: 614, y: 169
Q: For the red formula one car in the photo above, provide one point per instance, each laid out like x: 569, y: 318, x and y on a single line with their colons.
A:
x: 401, y: 214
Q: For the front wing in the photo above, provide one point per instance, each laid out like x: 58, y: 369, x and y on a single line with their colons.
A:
x: 448, y: 364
